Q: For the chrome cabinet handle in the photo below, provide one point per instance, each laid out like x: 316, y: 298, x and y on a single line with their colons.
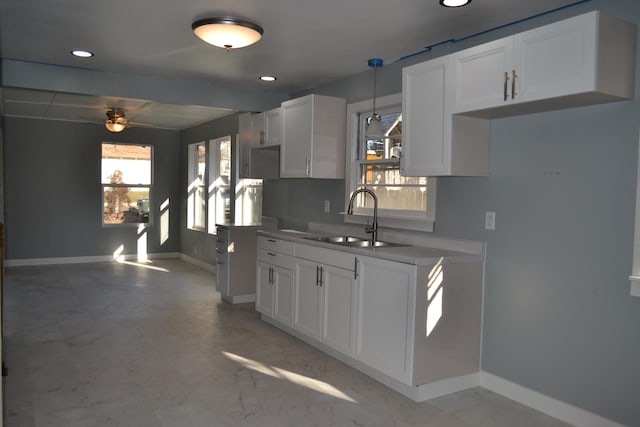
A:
x: 272, y: 241
x: 513, y: 84
x: 355, y: 268
x: 321, y: 276
x: 307, y: 167
x: 506, y: 82
x: 271, y: 254
x: 317, y: 275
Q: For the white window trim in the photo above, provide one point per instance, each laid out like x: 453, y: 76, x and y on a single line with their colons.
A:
x: 192, y: 162
x: 213, y: 166
x: 385, y: 219
x: 149, y: 186
x: 635, y: 272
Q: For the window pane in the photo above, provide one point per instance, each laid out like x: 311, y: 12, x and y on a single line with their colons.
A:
x: 126, y: 164
x: 385, y: 148
x: 395, y: 192
x: 125, y: 205
x: 196, y: 196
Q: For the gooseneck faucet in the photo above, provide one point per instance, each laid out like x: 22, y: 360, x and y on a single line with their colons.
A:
x: 373, y: 229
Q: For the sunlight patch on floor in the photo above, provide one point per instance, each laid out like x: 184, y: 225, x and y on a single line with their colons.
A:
x: 292, y: 377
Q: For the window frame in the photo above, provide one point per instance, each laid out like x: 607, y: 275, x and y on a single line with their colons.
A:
x: 192, y: 174
x: 103, y: 186
x: 213, y: 172
x: 386, y: 218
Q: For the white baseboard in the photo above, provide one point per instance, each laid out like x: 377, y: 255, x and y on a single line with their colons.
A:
x: 81, y: 259
x: 563, y: 411
x: 194, y: 261
x: 240, y: 299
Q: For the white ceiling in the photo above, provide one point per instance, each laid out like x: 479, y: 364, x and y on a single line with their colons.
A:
x: 305, y: 43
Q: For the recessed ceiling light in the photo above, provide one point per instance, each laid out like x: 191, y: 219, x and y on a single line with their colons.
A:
x: 454, y: 3
x: 82, y: 53
x: 268, y: 78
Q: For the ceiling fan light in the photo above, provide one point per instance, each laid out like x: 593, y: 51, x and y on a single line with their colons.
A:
x: 114, y: 127
x: 227, y: 33
x: 454, y: 3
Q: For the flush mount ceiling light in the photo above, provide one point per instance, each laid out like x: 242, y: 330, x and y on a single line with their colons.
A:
x: 268, y: 78
x: 374, y: 130
x: 226, y: 32
x: 454, y: 3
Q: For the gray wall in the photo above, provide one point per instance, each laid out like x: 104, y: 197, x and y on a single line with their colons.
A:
x: 295, y: 202
x: 53, y: 193
x: 558, y: 317
x: 200, y: 244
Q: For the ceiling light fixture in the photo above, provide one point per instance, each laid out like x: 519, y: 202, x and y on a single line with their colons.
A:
x: 81, y: 53
x: 226, y: 32
x: 454, y: 3
x: 374, y: 130
x: 268, y: 78
x: 116, y: 122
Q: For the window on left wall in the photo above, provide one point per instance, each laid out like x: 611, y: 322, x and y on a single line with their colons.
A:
x: 126, y: 178
x: 196, y: 188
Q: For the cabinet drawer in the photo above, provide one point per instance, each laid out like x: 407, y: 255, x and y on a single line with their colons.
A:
x: 222, y: 233
x: 326, y: 256
x: 275, y: 258
x: 275, y: 245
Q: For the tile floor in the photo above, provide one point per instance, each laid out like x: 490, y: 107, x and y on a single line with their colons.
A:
x: 110, y: 344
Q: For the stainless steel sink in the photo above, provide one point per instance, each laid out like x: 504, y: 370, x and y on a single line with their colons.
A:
x: 341, y: 240
x: 356, y: 242
x: 374, y: 244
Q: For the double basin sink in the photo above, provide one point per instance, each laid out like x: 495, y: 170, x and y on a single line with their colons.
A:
x: 355, y: 242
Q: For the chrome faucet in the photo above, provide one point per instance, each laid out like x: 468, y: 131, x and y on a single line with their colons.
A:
x: 373, y: 229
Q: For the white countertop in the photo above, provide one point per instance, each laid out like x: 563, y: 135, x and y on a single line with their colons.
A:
x: 409, y: 254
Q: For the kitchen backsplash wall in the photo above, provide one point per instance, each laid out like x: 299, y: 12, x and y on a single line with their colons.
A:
x: 296, y: 202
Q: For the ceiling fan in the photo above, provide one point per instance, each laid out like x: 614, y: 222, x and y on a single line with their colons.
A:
x: 116, y: 121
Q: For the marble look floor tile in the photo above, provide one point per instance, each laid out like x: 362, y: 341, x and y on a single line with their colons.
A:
x: 116, y: 345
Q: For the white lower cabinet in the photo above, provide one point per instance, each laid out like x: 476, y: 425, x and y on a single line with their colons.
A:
x: 409, y: 326
x: 275, y: 292
x: 274, y: 280
x: 323, y: 303
x: 385, y: 316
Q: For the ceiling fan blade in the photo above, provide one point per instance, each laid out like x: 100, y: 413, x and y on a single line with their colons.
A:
x: 140, y: 125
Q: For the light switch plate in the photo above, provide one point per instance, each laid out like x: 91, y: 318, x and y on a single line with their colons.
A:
x: 327, y: 206
x: 490, y: 220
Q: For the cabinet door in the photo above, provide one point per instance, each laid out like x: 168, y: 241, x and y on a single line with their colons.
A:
x: 480, y: 76
x: 556, y: 60
x: 283, y: 295
x: 295, y: 151
x: 337, y: 308
x: 264, y: 288
x: 426, y: 133
x: 385, y: 316
x: 222, y: 278
x: 273, y: 127
x: 306, y: 312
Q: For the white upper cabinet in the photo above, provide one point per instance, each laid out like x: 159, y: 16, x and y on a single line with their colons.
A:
x: 481, y: 75
x: 435, y: 142
x: 586, y: 59
x: 313, y: 137
x: 272, y: 127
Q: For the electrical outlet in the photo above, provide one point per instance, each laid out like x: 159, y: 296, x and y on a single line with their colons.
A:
x: 490, y: 220
x: 327, y: 206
